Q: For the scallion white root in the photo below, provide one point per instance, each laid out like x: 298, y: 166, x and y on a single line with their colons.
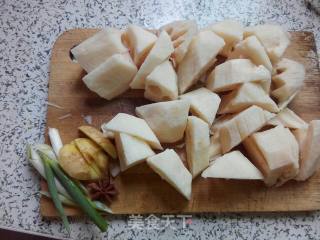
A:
x: 37, y: 163
x: 55, y: 140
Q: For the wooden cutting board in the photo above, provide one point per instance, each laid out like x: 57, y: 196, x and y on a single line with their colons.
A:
x: 143, y: 191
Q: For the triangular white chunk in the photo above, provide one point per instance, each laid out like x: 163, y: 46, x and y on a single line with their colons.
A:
x: 168, y: 120
x: 204, y: 103
x: 140, y: 42
x: 276, y: 153
x: 162, y: 83
x: 246, y: 95
x: 134, y: 126
x: 233, y: 165
x: 112, y: 77
x: 310, y: 152
x: 201, y: 55
x: 231, y: 31
x: 273, y: 38
x: 161, y: 50
x: 288, y: 119
x: 170, y: 168
x: 197, y: 145
x: 288, y: 80
x: 214, y: 147
x: 181, y: 33
x: 131, y: 150
x: 241, y: 126
x: 98, y: 48
x: 251, y: 48
x: 232, y: 73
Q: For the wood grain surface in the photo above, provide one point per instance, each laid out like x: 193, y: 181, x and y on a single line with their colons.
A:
x: 140, y: 189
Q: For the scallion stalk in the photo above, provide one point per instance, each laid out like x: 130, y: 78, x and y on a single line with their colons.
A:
x: 37, y: 163
x: 96, y: 204
x: 54, y: 192
x: 63, y: 199
x: 76, y: 193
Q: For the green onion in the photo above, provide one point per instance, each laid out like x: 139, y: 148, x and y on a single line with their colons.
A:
x: 54, y: 192
x: 55, y: 140
x: 37, y: 163
x: 101, y: 206
x: 76, y: 193
x: 63, y: 199
x: 96, y: 204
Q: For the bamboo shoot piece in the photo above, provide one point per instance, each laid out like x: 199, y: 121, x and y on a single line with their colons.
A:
x: 170, y: 168
x: 140, y: 42
x: 203, y: 104
x: 168, y: 120
x: 233, y: 165
x: 231, y: 31
x: 161, y: 51
x: 200, y: 56
x: 181, y: 33
x: 232, y: 73
x: 252, y: 49
x: 134, y: 126
x: 276, y: 153
x: 97, y: 49
x: 197, y: 145
x: 246, y: 95
x: 288, y: 119
x: 131, y: 150
x: 310, y: 152
x: 274, y: 39
x: 234, y: 131
x: 288, y: 80
x: 162, y: 83
x: 112, y: 77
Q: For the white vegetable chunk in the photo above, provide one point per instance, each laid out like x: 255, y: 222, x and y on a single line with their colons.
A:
x: 214, y: 147
x: 231, y: 31
x: 131, y: 150
x: 181, y: 33
x: 140, y: 42
x: 233, y: 165
x: 197, y: 145
x: 232, y: 73
x: 310, y: 152
x: 273, y: 38
x: 252, y: 49
x: 288, y: 80
x: 97, y: 49
x: 201, y: 55
x: 168, y: 120
x: 241, y: 126
x: 276, y: 153
x: 246, y: 95
x: 134, y: 126
x: 288, y: 119
x: 112, y: 77
x: 161, y: 51
x: 301, y: 136
x: 204, y: 103
x: 170, y: 168
x: 162, y: 83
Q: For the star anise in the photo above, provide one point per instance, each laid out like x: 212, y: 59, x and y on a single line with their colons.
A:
x: 102, y: 190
